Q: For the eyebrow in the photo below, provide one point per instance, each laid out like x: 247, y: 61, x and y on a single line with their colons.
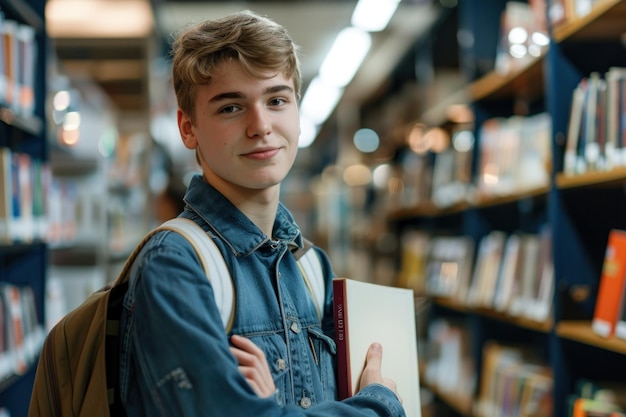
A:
x: 238, y: 94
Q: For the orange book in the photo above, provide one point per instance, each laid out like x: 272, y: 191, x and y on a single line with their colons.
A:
x: 611, y: 289
x: 584, y: 407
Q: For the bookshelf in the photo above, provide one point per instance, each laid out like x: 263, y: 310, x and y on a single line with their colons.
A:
x: 23, y: 260
x: 99, y: 202
x: 579, y: 209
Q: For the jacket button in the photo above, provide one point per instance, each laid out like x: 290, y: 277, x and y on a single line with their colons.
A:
x: 305, y: 402
x: 281, y: 364
x: 295, y: 328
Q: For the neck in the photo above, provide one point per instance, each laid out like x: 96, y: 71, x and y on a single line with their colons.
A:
x: 260, y: 206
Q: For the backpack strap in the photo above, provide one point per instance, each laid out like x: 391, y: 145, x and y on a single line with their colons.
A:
x: 311, y: 269
x: 213, y: 263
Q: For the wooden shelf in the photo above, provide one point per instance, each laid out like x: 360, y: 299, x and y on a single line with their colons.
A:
x: 32, y: 125
x: 429, y: 210
x: 606, y: 21
x: 613, y: 177
x: 462, y: 406
x: 491, y: 201
x: 543, y: 327
x: 580, y: 331
x: 451, y: 304
x: 526, y: 82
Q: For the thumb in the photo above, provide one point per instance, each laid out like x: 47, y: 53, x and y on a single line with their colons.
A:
x: 372, y: 370
x: 374, y: 357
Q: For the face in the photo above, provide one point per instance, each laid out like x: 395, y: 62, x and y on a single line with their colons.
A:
x: 246, y: 129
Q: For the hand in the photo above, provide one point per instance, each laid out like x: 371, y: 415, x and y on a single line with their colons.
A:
x: 253, y: 366
x: 372, y: 374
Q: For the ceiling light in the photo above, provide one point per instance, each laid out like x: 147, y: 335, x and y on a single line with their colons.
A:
x: 308, y: 132
x: 319, y: 100
x: 345, y: 56
x: 373, y: 15
x: 99, y: 18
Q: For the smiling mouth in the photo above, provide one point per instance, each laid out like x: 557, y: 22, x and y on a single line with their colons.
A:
x: 262, y: 154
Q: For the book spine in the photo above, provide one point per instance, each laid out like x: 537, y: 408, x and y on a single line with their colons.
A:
x: 620, y: 326
x: 611, y: 285
x: 341, y: 339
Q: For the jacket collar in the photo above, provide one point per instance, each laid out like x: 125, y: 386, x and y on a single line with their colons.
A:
x: 227, y: 221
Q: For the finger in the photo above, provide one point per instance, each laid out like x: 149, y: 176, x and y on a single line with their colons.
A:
x: 245, y: 344
x: 261, y: 386
x: 243, y: 357
x: 248, y: 346
x: 374, y: 357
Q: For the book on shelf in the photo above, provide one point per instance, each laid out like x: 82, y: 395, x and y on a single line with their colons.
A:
x: 21, y: 333
x: 6, y: 195
x: 522, y: 292
x: 535, y: 154
x: 366, y: 313
x: 443, y: 192
x: 24, y: 188
x: 14, y: 323
x: 486, y: 270
x: 18, y: 56
x: 414, y: 253
x: 557, y: 13
x: 3, y: 73
x: 513, y: 382
x: 615, y: 111
x: 449, y: 266
x: 591, y: 152
x: 587, y: 407
x: 595, y: 135
x: 27, y: 62
x: 620, y: 326
x: 611, y: 285
x: 571, y: 160
x: 509, y: 273
x: 537, y: 393
x: 540, y: 304
x: 610, y: 392
x: 448, y: 364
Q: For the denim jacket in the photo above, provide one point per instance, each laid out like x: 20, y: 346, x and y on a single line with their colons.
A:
x: 174, y: 353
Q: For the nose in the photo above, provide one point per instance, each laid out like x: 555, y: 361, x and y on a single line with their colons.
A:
x: 258, y: 122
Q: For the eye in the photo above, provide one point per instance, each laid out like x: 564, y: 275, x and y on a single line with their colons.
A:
x: 277, y: 101
x: 229, y: 109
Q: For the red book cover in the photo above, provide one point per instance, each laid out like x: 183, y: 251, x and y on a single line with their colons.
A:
x: 343, y: 367
x: 611, y: 288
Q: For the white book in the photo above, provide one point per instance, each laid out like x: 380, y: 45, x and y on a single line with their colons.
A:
x: 366, y: 313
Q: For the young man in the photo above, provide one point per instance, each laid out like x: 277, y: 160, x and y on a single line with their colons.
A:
x: 237, y: 82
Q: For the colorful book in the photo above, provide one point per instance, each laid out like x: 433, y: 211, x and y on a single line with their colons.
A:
x: 366, y: 313
x: 611, y: 287
x: 6, y: 195
x: 574, y: 128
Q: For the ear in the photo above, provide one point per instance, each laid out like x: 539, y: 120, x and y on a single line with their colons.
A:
x: 185, y: 127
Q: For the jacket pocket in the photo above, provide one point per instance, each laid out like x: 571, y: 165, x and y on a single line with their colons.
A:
x: 323, y: 349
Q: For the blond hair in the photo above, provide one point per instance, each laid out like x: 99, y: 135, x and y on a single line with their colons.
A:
x: 259, y: 44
